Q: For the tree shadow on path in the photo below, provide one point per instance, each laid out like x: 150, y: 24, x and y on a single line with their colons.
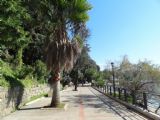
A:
x: 15, y: 92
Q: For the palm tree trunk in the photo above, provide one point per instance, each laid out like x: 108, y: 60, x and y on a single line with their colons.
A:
x: 56, y: 94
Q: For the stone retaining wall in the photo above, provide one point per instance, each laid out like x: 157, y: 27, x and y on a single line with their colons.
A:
x: 12, y: 98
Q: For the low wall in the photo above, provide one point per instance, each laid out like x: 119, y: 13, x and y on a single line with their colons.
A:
x: 12, y: 98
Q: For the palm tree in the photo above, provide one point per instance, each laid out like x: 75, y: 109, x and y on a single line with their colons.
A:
x: 63, y: 49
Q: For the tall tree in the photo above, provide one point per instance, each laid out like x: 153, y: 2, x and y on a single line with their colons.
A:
x: 70, y: 17
x: 13, y: 35
x: 40, y: 29
x: 141, y: 76
x: 83, y: 65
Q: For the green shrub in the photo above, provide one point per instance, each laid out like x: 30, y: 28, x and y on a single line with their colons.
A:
x: 9, y: 77
x: 3, y: 82
x: 24, y: 72
x: 100, y: 82
x: 99, y: 79
x: 29, y: 81
x: 13, y: 81
x: 5, y: 70
x: 27, y: 76
x: 40, y: 71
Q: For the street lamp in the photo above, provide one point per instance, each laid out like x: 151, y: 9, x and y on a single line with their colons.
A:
x: 112, y: 64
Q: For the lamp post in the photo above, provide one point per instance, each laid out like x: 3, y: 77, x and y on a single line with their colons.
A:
x: 113, y: 75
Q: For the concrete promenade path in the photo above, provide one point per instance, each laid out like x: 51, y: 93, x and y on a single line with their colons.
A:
x: 84, y: 104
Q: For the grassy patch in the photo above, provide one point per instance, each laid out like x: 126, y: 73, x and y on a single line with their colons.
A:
x: 4, y: 83
x: 35, y: 97
x: 61, y: 105
x: 10, y: 76
x: 38, y: 96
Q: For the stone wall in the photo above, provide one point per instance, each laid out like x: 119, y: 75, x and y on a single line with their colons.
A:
x: 12, y: 98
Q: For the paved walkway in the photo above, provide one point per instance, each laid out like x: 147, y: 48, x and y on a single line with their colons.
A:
x: 84, y: 104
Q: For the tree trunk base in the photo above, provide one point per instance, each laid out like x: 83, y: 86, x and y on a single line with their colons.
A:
x: 55, y: 94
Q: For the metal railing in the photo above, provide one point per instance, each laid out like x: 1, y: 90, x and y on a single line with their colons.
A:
x: 143, y: 100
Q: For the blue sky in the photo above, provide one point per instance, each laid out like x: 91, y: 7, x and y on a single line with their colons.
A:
x: 125, y: 27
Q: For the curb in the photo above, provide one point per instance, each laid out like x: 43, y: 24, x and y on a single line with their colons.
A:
x: 31, y: 102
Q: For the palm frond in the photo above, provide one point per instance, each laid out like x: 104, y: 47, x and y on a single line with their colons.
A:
x: 63, y: 50
x: 62, y: 55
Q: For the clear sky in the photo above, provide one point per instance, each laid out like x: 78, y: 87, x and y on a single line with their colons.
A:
x: 125, y: 27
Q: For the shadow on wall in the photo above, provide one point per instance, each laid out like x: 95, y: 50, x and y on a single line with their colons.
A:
x: 15, y: 92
